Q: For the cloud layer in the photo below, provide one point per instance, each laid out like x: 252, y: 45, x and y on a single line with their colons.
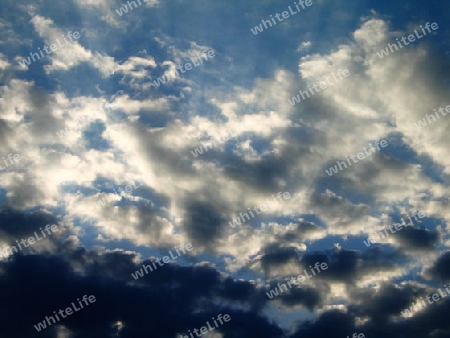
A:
x: 139, y: 132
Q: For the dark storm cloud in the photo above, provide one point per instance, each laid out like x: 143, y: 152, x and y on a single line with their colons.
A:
x: 343, y: 265
x: 440, y: 270
x: 161, y: 304
x: 310, y: 298
x: 429, y: 322
x: 15, y: 225
x: 329, y: 324
x: 411, y: 238
x: 380, y: 307
x: 380, y: 304
x: 347, y: 266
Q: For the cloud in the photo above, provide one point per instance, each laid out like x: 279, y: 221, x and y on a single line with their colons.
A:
x: 274, y: 147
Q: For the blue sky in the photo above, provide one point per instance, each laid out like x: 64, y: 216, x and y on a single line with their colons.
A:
x: 140, y: 132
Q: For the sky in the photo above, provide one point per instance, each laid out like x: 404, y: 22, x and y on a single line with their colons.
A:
x: 168, y: 166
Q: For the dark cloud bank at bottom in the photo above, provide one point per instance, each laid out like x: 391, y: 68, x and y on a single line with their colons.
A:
x: 176, y: 299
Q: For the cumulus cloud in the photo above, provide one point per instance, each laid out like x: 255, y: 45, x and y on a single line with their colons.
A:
x: 141, y: 132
